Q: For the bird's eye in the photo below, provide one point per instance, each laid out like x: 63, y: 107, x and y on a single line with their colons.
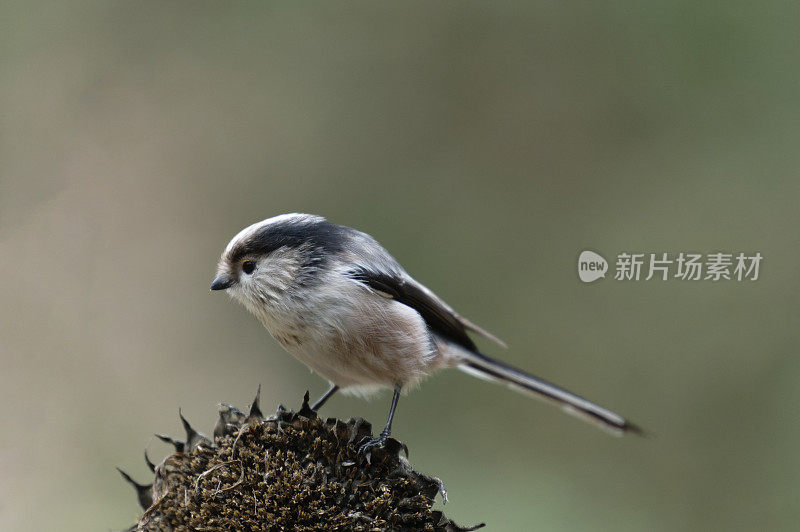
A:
x: 248, y: 266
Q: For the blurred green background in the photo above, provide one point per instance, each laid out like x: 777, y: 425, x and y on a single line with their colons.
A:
x: 485, y: 145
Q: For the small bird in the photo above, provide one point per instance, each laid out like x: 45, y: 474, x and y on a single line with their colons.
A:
x: 334, y: 298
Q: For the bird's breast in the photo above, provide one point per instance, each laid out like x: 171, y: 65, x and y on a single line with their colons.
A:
x: 353, y: 337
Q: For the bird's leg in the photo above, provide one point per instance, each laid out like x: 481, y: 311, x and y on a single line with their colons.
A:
x: 324, y: 399
x: 387, y: 430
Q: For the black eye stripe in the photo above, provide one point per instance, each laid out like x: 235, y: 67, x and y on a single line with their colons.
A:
x: 248, y: 266
x: 323, y: 237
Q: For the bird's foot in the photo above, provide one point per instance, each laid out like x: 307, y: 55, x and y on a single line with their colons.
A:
x: 367, y: 444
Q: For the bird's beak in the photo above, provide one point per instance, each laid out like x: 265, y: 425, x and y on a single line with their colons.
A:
x: 222, y: 282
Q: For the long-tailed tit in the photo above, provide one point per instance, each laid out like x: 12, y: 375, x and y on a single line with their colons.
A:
x: 339, y: 302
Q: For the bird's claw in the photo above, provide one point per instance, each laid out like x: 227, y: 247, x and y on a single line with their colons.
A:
x: 367, y: 444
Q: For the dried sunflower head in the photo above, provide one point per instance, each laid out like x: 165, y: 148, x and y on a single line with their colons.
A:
x: 290, y: 471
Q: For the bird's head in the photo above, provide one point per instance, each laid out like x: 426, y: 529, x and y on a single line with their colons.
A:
x: 264, y: 262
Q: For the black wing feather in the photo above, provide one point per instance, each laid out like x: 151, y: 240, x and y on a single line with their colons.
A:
x: 438, y: 319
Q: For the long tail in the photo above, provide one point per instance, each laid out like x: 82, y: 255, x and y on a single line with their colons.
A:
x: 487, y: 368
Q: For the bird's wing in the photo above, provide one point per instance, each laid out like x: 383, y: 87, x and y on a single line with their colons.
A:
x: 438, y: 315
